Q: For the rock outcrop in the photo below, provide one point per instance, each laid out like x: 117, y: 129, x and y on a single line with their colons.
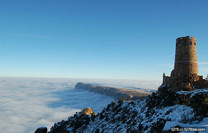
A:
x: 155, y: 113
x: 116, y: 93
x: 41, y: 130
x: 88, y: 111
x: 79, y: 119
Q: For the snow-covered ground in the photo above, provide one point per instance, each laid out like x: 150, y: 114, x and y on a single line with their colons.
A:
x: 28, y: 103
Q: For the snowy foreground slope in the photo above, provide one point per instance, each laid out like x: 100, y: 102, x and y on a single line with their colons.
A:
x: 155, y: 113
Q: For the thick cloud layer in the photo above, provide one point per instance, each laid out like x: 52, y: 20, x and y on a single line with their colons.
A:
x: 26, y: 104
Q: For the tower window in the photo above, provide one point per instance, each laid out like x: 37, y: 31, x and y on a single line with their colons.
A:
x: 179, y: 44
x: 184, y: 43
x: 190, y: 43
x: 194, y: 43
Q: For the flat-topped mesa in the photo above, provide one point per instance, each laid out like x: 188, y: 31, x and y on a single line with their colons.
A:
x: 185, y: 73
x: 116, y: 93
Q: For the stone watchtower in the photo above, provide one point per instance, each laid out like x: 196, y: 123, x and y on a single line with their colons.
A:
x: 186, y: 65
x: 185, y: 73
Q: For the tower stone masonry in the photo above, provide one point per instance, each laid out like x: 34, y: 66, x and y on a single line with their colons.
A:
x: 186, y: 65
x: 185, y: 73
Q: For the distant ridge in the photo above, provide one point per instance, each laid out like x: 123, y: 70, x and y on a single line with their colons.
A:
x: 117, y: 93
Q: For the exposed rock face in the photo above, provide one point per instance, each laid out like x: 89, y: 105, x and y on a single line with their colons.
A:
x: 79, y: 119
x: 116, y: 93
x: 88, y: 111
x: 197, y: 99
x: 150, y: 114
x: 41, y: 130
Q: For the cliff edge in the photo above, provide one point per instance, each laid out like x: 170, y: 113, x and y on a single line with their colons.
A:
x: 159, y: 112
x: 116, y: 93
x: 156, y: 113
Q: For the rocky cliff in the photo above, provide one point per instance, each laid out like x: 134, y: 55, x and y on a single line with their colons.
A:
x: 155, y: 113
x: 116, y: 93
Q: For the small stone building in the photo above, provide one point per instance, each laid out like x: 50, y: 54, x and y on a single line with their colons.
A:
x: 184, y: 76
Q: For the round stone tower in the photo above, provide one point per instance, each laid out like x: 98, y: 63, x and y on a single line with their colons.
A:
x: 186, y: 65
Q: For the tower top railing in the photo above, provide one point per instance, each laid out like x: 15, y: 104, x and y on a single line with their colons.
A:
x: 186, y: 38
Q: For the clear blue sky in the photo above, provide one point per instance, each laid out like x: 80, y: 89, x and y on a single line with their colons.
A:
x: 127, y: 39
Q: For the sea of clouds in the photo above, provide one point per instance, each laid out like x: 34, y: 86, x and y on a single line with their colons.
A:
x: 28, y: 103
